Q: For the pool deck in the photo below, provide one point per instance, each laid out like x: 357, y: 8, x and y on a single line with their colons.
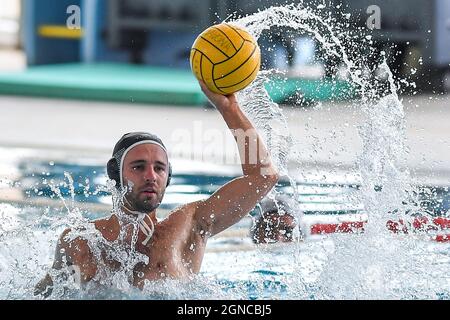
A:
x: 94, y: 127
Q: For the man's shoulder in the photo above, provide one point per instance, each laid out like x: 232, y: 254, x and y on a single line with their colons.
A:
x: 77, y: 234
x: 184, y: 211
x: 186, y: 217
x: 108, y: 227
x: 104, y: 222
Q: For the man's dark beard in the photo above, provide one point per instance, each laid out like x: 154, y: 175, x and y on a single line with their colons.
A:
x: 142, y: 206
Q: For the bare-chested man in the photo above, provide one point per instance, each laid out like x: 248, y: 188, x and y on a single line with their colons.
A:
x: 175, y: 246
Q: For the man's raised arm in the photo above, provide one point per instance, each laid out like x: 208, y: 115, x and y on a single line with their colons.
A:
x: 234, y: 200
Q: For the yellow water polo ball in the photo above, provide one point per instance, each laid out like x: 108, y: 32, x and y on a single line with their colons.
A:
x: 226, y: 57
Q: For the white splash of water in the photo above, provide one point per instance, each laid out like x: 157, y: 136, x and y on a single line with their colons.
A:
x: 370, y: 266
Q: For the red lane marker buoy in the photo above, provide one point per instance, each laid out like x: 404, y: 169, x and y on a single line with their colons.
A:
x: 419, y: 224
x: 442, y: 238
x: 344, y: 227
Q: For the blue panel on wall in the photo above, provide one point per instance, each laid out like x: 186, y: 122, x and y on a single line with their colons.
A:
x: 163, y: 47
x: 41, y: 50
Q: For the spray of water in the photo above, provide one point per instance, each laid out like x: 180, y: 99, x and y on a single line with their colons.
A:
x: 373, y: 265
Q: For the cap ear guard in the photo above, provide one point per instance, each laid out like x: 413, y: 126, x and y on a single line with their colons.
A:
x: 112, y: 168
x: 113, y: 171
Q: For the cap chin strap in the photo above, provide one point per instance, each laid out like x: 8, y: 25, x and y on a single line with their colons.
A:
x: 145, y: 228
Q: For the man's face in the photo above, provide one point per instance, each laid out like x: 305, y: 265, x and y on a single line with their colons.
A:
x: 146, y: 168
